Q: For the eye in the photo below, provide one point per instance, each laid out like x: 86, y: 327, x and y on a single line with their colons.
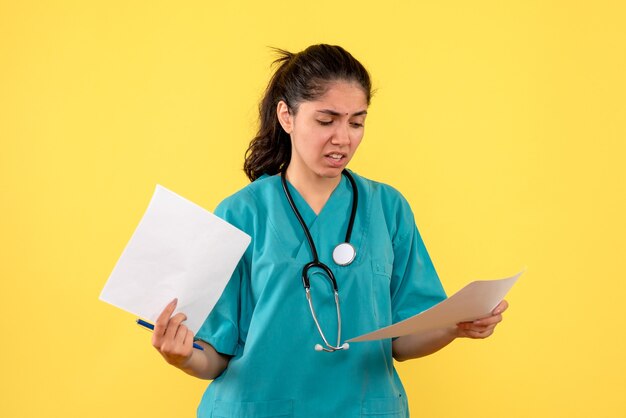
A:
x: 356, y: 125
x: 324, y: 122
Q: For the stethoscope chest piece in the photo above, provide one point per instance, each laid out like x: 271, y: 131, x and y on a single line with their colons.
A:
x: 344, y: 254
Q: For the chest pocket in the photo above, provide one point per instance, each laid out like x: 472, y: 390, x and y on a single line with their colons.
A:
x: 381, y: 267
x: 384, y: 408
x: 266, y: 409
x: 379, y: 284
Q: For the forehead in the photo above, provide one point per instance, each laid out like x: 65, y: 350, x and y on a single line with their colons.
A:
x: 340, y: 96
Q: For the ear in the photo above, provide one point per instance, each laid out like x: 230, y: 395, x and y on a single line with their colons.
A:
x: 285, y: 118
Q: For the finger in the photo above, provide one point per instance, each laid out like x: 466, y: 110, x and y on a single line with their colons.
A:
x: 188, y: 343
x: 474, y: 329
x: 181, y: 335
x: 495, y: 319
x: 502, y: 306
x: 480, y: 323
x: 161, y: 323
x: 181, y: 347
x: 173, y: 325
x: 479, y: 334
x: 464, y: 325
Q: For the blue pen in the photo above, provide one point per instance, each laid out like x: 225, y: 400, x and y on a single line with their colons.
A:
x: 148, y: 325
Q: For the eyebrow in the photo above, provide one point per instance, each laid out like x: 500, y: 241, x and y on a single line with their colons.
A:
x: 335, y: 113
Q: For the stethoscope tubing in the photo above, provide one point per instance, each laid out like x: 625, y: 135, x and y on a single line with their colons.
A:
x: 307, y: 233
x: 315, y: 263
x: 355, y: 204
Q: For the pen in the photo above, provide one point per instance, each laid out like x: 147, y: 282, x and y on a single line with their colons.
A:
x: 148, y: 325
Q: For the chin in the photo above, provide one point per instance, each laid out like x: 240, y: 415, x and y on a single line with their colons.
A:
x: 330, y: 172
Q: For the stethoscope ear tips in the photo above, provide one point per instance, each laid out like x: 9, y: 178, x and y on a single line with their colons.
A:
x: 345, y: 346
x: 318, y: 347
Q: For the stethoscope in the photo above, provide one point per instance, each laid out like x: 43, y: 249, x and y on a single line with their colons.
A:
x: 343, y: 255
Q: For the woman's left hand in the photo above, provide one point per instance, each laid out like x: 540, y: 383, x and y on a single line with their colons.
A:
x: 483, y: 327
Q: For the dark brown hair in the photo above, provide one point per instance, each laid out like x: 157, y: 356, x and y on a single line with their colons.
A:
x: 300, y: 77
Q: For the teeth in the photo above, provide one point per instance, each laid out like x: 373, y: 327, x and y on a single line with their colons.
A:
x: 336, y: 156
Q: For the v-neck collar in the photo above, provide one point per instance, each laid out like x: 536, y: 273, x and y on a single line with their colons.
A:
x: 329, y: 227
x: 334, y: 200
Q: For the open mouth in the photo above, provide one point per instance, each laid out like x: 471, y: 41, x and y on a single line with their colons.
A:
x: 335, y: 156
x: 336, y: 159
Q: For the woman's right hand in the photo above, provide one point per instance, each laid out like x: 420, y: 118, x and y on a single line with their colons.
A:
x: 172, y: 339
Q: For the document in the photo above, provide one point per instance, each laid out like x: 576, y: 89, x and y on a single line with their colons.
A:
x: 476, y: 300
x: 179, y: 250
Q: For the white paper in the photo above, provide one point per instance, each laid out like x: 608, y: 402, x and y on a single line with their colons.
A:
x: 474, y: 301
x: 179, y: 250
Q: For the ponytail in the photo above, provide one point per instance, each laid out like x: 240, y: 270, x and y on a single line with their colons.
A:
x: 270, y: 150
x: 299, y: 77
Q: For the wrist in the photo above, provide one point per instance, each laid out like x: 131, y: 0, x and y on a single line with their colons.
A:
x: 187, y: 363
x: 455, y: 332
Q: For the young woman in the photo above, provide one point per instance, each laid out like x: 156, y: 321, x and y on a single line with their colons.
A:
x: 274, y: 343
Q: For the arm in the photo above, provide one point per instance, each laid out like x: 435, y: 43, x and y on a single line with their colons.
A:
x: 420, y: 345
x: 423, y: 344
x: 174, y: 341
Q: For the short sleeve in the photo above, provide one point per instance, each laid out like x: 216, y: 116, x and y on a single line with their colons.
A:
x: 222, y: 327
x: 415, y: 285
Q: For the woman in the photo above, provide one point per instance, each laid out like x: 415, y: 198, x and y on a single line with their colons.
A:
x: 270, y: 348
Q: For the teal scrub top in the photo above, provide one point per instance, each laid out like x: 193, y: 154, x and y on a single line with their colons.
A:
x: 263, y: 319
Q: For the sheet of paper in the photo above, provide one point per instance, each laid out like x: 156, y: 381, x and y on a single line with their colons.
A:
x: 476, y: 300
x: 179, y: 250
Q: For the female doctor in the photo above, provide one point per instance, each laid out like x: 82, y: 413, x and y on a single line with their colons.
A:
x: 274, y: 343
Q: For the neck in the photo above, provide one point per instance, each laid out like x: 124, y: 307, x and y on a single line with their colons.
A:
x: 314, y: 189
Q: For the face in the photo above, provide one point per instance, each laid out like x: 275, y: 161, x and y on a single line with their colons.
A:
x: 326, y: 132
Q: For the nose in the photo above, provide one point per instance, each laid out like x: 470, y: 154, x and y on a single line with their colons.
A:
x: 341, y: 136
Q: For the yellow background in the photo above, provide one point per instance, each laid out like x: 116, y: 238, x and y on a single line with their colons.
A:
x: 501, y: 122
